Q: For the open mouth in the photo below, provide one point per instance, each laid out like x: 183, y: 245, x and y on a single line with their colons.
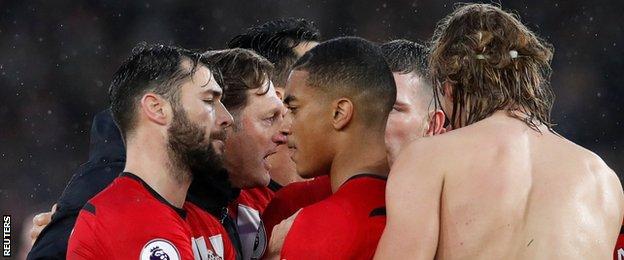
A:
x: 265, y: 161
x: 272, y: 152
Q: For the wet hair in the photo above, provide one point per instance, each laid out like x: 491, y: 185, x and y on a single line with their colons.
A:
x: 404, y: 57
x: 493, y: 62
x: 159, y: 69
x: 355, y: 68
x: 240, y: 70
x: 275, y: 41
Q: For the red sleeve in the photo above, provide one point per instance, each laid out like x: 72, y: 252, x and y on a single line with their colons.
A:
x: 315, y: 236
x: 293, y: 197
x: 82, y: 240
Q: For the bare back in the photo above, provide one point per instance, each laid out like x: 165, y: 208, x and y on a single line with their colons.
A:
x: 509, y: 192
x: 515, y: 193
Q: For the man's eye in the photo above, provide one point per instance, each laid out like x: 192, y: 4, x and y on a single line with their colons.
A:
x: 209, y: 101
x: 398, y: 109
x: 273, y: 118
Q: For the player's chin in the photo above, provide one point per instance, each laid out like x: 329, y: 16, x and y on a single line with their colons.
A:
x: 304, y: 172
x: 262, y: 179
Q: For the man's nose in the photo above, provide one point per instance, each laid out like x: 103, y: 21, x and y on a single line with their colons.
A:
x: 224, y: 118
x: 279, y: 138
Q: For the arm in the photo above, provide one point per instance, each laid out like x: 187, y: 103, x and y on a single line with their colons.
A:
x: 82, y: 243
x: 413, y: 195
x: 276, y: 242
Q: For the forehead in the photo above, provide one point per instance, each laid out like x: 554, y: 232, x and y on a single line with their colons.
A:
x: 269, y: 96
x: 296, y: 81
x: 407, y: 84
x: 203, y: 80
x: 266, y: 101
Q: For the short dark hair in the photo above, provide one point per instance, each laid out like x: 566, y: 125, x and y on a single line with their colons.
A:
x: 241, y: 70
x: 404, y: 56
x: 150, y: 68
x: 275, y: 41
x: 352, y: 67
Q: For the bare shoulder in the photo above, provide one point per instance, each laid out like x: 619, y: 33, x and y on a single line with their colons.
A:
x: 425, y: 157
x: 603, y: 172
x: 595, y: 164
x: 608, y: 183
x: 607, y: 180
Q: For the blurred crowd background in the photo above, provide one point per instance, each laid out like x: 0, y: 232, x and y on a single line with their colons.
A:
x: 57, y: 58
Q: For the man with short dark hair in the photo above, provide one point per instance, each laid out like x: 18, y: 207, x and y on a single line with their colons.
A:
x: 168, y: 109
x: 339, y: 96
x: 282, y: 42
x: 414, y: 114
x: 412, y: 117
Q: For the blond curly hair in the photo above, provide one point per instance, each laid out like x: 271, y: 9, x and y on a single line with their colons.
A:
x: 493, y: 62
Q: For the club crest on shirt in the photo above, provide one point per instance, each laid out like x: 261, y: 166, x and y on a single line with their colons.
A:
x: 260, y: 243
x: 159, y: 249
x: 213, y: 250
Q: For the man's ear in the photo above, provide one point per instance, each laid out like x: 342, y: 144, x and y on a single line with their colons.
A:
x: 436, y: 123
x: 156, y: 108
x: 342, y: 113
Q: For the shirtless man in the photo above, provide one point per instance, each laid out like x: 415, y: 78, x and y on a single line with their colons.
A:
x: 503, y: 185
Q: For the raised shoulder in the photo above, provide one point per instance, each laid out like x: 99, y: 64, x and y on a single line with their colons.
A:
x: 413, y: 196
x: 608, y: 180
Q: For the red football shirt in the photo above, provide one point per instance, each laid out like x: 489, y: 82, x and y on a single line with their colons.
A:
x: 346, y: 225
x: 293, y: 197
x: 129, y: 220
x: 210, y: 239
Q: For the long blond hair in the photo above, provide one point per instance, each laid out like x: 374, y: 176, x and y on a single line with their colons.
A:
x: 493, y: 62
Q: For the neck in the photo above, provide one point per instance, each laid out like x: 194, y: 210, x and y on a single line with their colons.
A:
x: 150, y: 161
x: 359, y: 154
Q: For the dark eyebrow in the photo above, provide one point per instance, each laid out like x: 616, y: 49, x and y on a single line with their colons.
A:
x: 289, y: 98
